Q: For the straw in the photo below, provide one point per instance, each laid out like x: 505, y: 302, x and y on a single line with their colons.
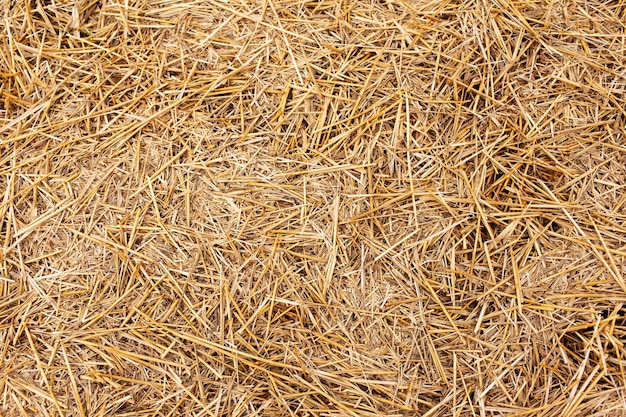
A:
x: 312, y: 208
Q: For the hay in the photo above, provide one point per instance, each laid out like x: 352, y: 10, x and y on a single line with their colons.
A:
x: 312, y: 208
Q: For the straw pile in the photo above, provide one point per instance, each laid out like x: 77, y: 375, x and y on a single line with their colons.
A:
x: 312, y: 208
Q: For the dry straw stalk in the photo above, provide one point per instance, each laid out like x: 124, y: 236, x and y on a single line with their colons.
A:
x: 312, y: 208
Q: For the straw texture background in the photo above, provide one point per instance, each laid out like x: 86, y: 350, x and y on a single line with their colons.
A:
x: 312, y: 208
